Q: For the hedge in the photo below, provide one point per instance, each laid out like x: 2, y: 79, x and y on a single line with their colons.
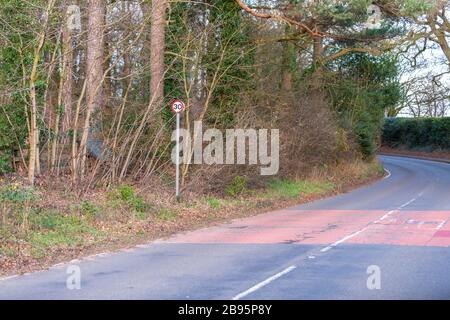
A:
x: 426, y: 134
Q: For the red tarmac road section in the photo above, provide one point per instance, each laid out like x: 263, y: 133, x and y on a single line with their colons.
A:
x: 397, y: 227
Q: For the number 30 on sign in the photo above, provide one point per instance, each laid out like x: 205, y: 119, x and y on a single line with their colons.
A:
x: 178, y: 106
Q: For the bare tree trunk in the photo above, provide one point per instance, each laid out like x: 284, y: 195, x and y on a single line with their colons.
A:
x: 33, y: 162
x: 64, y: 99
x: 317, y: 57
x: 67, y: 66
x: 107, y: 87
x: 94, y: 64
x: 442, y: 40
x: 157, y: 40
x: 287, y: 63
x: 204, y: 41
x: 440, y: 26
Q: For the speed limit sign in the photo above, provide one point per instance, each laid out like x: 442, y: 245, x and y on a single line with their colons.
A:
x: 178, y: 106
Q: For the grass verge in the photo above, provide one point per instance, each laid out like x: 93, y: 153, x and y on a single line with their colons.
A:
x: 43, y: 226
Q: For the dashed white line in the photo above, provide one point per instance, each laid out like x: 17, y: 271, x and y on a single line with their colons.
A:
x: 385, y: 216
x: 343, y: 240
x: 9, y: 277
x: 407, y: 203
x: 363, y: 229
x: 263, y: 283
x: 289, y: 269
x: 441, y: 224
x: 326, y: 249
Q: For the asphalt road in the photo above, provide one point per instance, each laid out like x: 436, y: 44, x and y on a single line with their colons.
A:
x: 393, y: 235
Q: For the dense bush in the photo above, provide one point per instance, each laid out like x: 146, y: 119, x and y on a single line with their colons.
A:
x: 361, y: 87
x: 426, y: 134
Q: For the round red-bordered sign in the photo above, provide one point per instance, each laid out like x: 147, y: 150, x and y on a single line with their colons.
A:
x: 178, y: 106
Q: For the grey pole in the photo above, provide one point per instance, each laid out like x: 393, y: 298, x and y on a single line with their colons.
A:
x: 177, y: 164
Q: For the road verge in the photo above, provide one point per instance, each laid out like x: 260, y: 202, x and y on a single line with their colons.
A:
x: 50, y: 225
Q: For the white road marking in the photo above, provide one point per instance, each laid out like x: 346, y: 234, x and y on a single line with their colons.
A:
x: 385, y: 216
x: 10, y: 277
x: 441, y: 224
x: 263, y: 283
x: 388, y: 172
x: 363, y: 229
x: 58, y: 265
x: 343, y: 240
x: 407, y: 203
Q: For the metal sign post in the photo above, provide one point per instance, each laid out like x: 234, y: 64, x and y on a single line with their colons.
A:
x: 177, y: 107
x: 177, y: 164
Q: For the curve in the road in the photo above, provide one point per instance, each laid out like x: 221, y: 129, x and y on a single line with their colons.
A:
x: 319, y: 250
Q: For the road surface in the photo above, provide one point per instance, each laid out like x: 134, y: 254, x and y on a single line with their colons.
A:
x: 389, y: 240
